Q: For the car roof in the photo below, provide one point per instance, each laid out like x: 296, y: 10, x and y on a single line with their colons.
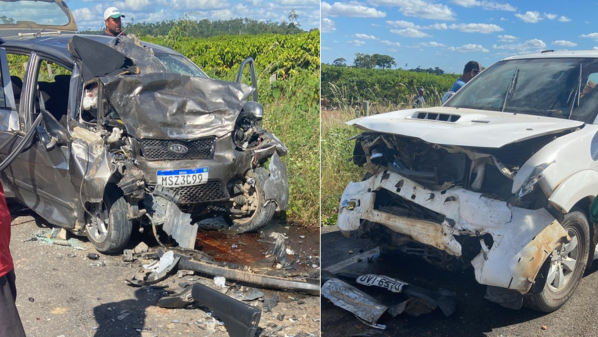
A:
x: 557, y: 54
x: 56, y: 46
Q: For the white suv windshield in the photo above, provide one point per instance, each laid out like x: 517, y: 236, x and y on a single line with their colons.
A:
x: 40, y: 12
x: 562, y: 88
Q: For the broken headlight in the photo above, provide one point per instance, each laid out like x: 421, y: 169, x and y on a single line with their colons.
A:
x: 532, y: 180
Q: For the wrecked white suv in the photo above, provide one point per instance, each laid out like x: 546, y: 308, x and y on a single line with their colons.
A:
x: 102, y: 135
x: 502, y: 177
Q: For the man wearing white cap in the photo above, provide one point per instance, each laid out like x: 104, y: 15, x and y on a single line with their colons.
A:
x: 112, y: 20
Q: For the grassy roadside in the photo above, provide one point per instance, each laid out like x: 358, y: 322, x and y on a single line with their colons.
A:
x: 337, y: 171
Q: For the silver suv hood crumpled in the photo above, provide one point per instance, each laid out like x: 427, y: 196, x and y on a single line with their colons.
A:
x: 464, y: 127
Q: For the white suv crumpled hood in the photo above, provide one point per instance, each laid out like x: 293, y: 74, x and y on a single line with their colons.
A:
x: 474, y: 128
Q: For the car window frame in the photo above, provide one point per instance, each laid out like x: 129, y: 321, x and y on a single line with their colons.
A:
x: 8, y: 112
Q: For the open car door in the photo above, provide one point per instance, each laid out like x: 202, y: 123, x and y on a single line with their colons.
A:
x: 35, y: 17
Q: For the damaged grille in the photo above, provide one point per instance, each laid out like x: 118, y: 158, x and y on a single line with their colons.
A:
x: 213, y: 190
x: 157, y: 149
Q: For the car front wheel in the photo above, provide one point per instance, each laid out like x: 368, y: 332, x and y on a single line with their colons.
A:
x: 109, y: 229
x: 261, y: 214
x: 567, y: 264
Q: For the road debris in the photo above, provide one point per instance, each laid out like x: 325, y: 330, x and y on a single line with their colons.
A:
x: 270, y: 303
x: 239, y: 319
x: 93, y: 256
x: 354, y: 300
x: 253, y: 295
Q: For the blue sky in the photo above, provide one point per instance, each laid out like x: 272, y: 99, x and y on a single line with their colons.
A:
x: 449, y: 33
x: 89, y: 13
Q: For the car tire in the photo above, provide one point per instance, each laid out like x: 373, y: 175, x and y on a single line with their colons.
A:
x: 118, y: 228
x: 263, y: 214
x: 554, y: 295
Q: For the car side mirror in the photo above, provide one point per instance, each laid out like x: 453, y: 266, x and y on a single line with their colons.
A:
x: 43, y: 136
x: 255, y: 109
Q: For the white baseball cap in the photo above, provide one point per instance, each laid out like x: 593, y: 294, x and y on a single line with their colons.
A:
x: 112, y: 12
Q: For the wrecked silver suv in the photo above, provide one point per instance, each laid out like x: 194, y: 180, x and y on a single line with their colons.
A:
x: 103, y: 135
x: 503, y: 177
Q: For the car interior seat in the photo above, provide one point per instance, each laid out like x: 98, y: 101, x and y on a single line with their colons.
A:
x: 55, y: 95
x: 17, y: 85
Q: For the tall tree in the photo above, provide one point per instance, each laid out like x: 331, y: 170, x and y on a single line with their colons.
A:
x: 384, y: 61
x: 340, y: 62
x: 364, y: 61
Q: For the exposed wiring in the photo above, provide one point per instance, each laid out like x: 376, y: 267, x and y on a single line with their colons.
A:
x: 155, y: 231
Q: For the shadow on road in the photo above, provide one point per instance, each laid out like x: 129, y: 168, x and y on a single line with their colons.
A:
x: 124, y: 318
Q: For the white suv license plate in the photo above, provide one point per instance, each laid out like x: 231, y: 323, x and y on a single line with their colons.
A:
x: 184, y: 177
x: 382, y: 281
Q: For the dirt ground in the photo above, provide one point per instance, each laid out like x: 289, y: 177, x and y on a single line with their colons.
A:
x: 61, y: 292
x: 474, y: 315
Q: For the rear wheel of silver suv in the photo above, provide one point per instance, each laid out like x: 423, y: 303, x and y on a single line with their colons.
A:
x: 567, y: 265
x: 261, y: 214
x: 110, y: 229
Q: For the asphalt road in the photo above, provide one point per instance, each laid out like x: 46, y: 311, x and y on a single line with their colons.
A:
x: 62, y: 293
x: 474, y: 316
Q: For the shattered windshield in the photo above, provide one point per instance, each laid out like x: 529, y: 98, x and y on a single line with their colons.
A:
x: 178, y: 64
x: 561, y: 88
x: 40, y: 12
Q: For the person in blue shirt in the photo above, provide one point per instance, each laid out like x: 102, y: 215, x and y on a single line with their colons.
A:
x: 471, y: 69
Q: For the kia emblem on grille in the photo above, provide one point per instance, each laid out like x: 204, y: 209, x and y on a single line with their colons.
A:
x: 178, y: 148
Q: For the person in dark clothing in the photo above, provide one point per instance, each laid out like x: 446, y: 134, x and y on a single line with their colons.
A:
x: 10, y: 322
x: 113, y: 22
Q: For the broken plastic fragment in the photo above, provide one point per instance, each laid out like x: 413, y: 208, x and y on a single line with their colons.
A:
x: 220, y: 281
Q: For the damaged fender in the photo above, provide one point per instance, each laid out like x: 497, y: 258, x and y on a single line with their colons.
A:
x: 522, y: 238
x: 92, y: 163
x: 276, y: 188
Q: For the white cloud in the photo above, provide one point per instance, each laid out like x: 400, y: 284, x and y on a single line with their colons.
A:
x: 353, y: 9
x: 135, y: 5
x: 357, y: 43
x: 199, y: 4
x: 469, y: 48
x: 84, y: 14
x: 564, y: 19
x: 487, y: 5
x: 591, y: 36
x: 550, y: 16
x: 527, y: 45
x: 407, y: 24
x: 328, y: 25
x: 429, y: 44
x: 409, y: 32
x: 365, y: 36
x: 564, y: 43
x: 403, y: 24
x: 375, y: 25
x: 529, y: 17
x: 389, y: 43
x: 437, y: 26
x: 507, y: 38
x: 483, y: 28
x: 420, y: 9
x: 504, y: 19
x: 298, y: 2
x: 255, y: 2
